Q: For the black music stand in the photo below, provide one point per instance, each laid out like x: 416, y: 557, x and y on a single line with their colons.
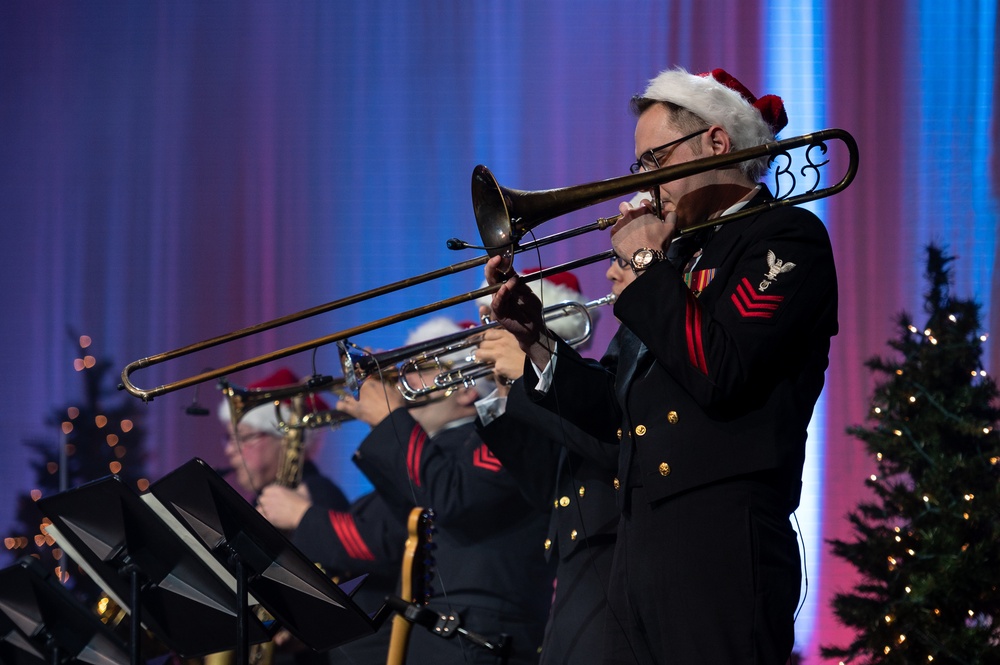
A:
x: 298, y: 594
x: 173, y: 587
x: 50, y: 622
x: 15, y: 647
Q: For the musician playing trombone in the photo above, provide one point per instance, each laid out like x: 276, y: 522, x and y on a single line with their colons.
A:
x: 719, y: 360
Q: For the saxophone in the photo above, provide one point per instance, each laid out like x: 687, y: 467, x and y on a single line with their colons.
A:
x: 290, y: 466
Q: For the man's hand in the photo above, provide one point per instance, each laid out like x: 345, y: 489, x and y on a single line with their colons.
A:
x: 376, y: 400
x: 519, y: 310
x: 501, y: 348
x: 639, y: 227
x: 284, y: 507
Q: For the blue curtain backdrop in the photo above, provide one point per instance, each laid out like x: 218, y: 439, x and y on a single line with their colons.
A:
x: 170, y: 171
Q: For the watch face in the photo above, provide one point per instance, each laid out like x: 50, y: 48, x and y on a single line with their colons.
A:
x: 642, y: 258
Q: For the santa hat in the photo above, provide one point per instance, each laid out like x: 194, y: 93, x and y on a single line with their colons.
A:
x: 439, y: 327
x: 552, y: 290
x: 263, y: 418
x: 719, y: 98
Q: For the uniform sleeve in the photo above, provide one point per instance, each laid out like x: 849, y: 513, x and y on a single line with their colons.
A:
x: 368, y: 537
x: 454, y: 473
x: 583, y: 390
x: 530, y: 456
x: 779, y: 297
x: 529, y: 439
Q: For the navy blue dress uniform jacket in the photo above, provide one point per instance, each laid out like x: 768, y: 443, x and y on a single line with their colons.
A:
x: 366, y: 537
x: 569, y: 473
x: 710, y: 394
x: 488, y: 565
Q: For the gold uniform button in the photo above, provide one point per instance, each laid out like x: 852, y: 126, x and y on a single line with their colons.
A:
x: 555, y: 504
x: 564, y: 501
x: 572, y: 534
x: 619, y: 433
x: 640, y: 430
x: 582, y: 491
x: 664, y: 469
x: 617, y: 484
x: 548, y: 543
x: 672, y: 417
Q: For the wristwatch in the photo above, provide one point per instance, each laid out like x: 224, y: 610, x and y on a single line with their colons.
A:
x: 645, y: 257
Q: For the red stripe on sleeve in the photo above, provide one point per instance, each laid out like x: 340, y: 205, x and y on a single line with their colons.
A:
x: 693, y: 332
x: 413, y: 452
x: 348, y: 534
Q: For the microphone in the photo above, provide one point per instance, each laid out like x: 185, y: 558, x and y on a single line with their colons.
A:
x: 458, y: 243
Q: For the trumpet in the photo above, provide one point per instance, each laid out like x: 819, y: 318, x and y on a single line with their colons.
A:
x: 417, y: 359
x: 504, y: 216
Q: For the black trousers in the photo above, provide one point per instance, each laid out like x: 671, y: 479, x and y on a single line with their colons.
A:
x: 708, y: 577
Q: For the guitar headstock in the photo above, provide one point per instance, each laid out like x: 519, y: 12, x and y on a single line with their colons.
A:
x: 418, y: 557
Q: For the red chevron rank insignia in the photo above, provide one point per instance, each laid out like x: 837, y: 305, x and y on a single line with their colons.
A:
x: 485, y: 459
x: 753, y: 305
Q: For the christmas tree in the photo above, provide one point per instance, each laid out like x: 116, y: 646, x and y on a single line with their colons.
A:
x: 927, y: 545
x: 92, y: 437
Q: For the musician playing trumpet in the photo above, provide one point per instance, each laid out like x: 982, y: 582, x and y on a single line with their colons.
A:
x: 565, y: 471
x: 489, y: 570
x: 715, y: 370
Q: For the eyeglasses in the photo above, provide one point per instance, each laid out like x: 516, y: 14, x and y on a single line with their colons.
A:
x: 622, y: 263
x: 248, y: 439
x: 647, y: 161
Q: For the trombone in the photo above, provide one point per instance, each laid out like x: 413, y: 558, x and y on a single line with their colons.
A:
x: 503, y: 217
x: 415, y: 360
